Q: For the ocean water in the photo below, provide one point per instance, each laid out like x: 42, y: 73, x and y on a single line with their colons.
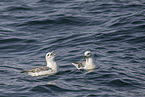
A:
x: 113, y: 30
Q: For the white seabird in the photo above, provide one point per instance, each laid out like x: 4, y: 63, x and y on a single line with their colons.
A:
x: 88, y: 64
x: 50, y: 69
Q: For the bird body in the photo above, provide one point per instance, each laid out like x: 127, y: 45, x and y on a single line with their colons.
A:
x: 50, y: 69
x: 88, y: 64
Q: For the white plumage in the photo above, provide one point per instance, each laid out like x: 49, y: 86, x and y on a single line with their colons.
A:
x: 50, y: 69
x: 88, y: 64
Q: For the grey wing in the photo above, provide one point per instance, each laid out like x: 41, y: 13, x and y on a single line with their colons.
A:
x: 36, y: 69
x: 79, y: 65
x: 43, y: 69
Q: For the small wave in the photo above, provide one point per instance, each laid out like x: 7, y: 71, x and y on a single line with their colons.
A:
x: 11, y: 40
x: 42, y: 89
x: 98, y: 77
x: 68, y: 41
x: 140, y: 39
x: 120, y: 83
x: 65, y: 72
x: 10, y: 67
x: 17, y: 44
x: 53, y: 1
x: 140, y: 27
x: 134, y: 5
x: 114, y: 36
x: 4, y: 72
x: 15, y: 8
x: 65, y: 20
x: 138, y: 22
x: 121, y: 21
x: 50, y: 89
x: 38, y: 22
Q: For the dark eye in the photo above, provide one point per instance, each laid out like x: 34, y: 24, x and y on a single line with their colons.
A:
x: 88, y: 54
x: 47, y: 54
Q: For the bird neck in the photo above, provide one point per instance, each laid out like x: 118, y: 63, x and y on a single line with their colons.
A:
x: 52, y: 64
x: 89, y: 63
x: 89, y: 60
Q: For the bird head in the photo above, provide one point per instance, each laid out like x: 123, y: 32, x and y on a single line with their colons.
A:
x: 87, y: 54
x: 49, y: 56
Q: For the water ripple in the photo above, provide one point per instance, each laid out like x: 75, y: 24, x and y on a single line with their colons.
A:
x: 113, y: 31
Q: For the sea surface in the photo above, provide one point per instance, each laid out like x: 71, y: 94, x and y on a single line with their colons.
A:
x: 113, y: 30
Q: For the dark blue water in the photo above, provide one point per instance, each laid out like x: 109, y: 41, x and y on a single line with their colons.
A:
x: 114, y: 30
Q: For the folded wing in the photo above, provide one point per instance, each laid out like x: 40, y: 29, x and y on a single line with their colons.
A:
x: 37, y: 69
x: 79, y: 65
